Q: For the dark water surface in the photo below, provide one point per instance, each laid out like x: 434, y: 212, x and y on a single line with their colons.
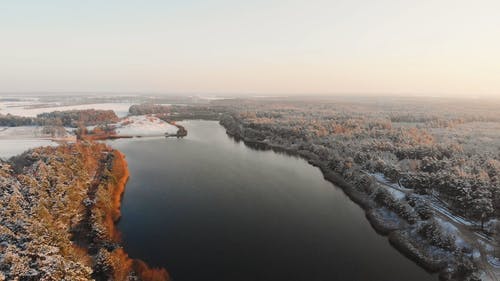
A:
x: 208, y: 208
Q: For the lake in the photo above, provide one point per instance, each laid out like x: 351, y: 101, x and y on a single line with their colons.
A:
x: 209, y: 208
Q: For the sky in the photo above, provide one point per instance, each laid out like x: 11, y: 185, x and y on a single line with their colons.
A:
x: 438, y: 47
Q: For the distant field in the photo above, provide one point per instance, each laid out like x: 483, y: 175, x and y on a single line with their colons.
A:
x: 33, y: 108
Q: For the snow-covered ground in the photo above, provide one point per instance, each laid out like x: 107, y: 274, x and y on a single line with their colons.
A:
x: 483, y: 248
x: 144, y: 125
x: 25, y: 108
x: 16, y: 140
x: 13, y: 147
x: 394, y: 189
x: 31, y: 132
x: 22, y: 132
x: 452, y: 230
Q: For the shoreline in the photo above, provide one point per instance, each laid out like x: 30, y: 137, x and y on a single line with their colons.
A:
x: 60, y: 223
x: 124, y: 175
x: 110, y: 179
x: 119, y: 175
x: 398, y: 234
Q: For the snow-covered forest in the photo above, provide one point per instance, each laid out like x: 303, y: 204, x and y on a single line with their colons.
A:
x: 427, y: 171
x: 58, y: 206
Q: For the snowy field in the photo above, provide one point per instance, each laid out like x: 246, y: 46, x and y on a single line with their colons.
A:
x: 32, y: 108
x: 30, y: 132
x: 22, y: 132
x: 16, y: 140
x: 13, y: 147
x: 144, y: 126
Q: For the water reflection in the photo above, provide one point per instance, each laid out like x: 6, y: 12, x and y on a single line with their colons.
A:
x: 209, y: 208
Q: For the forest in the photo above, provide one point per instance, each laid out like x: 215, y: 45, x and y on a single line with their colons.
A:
x: 68, y: 118
x: 58, y: 209
x: 454, y: 155
x: 426, y: 171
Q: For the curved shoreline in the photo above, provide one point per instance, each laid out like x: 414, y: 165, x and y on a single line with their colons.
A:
x: 60, y: 219
x: 398, y: 235
x: 120, y: 175
x: 123, y: 175
x: 147, y: 157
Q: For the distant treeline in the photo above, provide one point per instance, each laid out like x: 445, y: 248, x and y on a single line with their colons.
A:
x: 15, y: 121
x: 70, y: 118
x: 177, y: 112
x: 147, y: 108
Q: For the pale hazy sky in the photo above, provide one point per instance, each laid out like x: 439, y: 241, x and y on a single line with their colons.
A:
x: 265, y: 47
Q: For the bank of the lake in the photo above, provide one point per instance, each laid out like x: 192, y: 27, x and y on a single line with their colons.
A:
x: 58, y: 209
x: 209, y: 208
